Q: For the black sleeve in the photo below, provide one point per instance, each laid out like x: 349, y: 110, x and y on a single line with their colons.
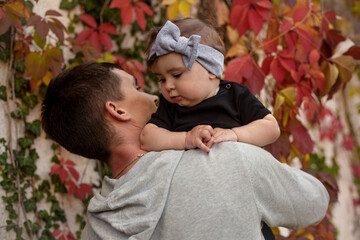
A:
x: 250, y: 108
x: 164, y: 116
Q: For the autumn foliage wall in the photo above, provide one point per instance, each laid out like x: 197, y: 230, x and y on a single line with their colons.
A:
x: 288, y: 52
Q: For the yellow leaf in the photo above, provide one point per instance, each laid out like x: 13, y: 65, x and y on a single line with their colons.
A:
x: 278, y: 102
x: 289, y: 95
x: 285, y: 118
x: 232, y: 34
x: 222, y: 13
x: 168, y: 2
x: 331, y: 74
x: 47, y: 78
x: 172, y: 11
x: 184, y: 9
x: 236, y: 50
x: 191, y: 1
x: 345, y: 65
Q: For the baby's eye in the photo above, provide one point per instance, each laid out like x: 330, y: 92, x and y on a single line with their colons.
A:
x: 177, y: 75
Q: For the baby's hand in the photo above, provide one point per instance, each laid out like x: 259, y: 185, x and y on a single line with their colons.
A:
x: 224, y: 135
x: 200, y: 136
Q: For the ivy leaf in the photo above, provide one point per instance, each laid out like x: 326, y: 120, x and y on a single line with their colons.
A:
x: 30, y: 205
x: 30, y: 101
x: 34, y: 127
x: 25, y: 142
x: 68, y: 4
x: 3, y: 93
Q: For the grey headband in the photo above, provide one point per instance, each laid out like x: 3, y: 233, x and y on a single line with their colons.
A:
x: 169, y: 40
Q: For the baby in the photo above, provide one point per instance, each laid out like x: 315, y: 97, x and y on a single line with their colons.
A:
x: 197, y: 108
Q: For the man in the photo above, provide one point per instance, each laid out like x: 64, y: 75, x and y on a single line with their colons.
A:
x: 97, y: 111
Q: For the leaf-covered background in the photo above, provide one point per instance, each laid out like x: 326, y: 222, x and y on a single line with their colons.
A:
x: 299, y: 57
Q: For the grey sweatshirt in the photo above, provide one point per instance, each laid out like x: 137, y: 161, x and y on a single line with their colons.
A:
x: 224, y: 194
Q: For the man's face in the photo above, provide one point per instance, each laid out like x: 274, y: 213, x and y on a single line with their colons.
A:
x: 139, y: 104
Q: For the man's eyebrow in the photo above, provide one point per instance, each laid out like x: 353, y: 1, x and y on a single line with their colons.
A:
x: 135, y: 81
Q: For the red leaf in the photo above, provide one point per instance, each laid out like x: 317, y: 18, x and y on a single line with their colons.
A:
x: 140, y: 18
x: 72, y: 187
x: 42, y: 28
x: 266, y: 64
x: 70, y: 236
x: 74, y: 173
x: 106, y: 41
x: 330, y: 15
x: 299, y: 14
x: 86, y: 188
x: 302, y: 139
x: 1, y: 13
x: 239, y: 19
x: 63, y: 174
x: 84, y: 35
x: 95, y: 40
x: 108, y: 28
x: 287, y: 60
x: 126, y: 15
x: 263, y: 12
x: 305, y: 39
x: 356, y: 170
x: 277, y: 71
x: 52, y: 13
x: 281, y: 147
x: 296, y: 75
x: 120, y: 3
x: 354, y: 52
x: 69, y: 163
x: 145, y: 8
x: 286, y: 26
x: 89, y: 20
x: 56, y: 232
x: 264, y: 4
x: 348, y: 142
x: 269, y: 45
x: 244, y: 69
x: 55, y: 168
x: 290, y: 3
x: 291, y: 40
x: 314, y: 56
x: 255, y: 21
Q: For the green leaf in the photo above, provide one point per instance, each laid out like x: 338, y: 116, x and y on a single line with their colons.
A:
x: 21, y: 113
x: 30, y: 205
x: 34, y: 127
x: 41, y: 43
x: 25, y: 142
x: 30, y: 101
x: 68, y: 4
x: 3, y: 93
x: 3, y: 158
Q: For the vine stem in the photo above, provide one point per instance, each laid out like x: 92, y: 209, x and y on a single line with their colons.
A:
x: 9, y: 92
x: 102, y: 11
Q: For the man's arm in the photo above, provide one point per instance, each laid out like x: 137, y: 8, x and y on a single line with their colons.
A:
x: 154, y: 138
x: 260, y: 132
x: 286, y: 196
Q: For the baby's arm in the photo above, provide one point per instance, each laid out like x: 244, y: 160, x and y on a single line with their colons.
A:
x: 154, y: 138
x: 260, y: 132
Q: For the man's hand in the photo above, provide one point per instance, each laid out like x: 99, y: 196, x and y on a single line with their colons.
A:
x: 224, y: 135
x: 200, y: 136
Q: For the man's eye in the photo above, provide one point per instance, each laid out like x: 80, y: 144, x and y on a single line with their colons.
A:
x: 138, y: 88
x: 162, y: 80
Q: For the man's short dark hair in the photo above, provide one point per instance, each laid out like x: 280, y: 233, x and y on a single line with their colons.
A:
x: 74, y: 105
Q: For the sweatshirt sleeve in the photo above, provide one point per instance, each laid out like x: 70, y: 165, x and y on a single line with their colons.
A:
x: 286, y: 196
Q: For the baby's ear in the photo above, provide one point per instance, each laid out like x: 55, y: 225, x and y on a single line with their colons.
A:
x: 116, y: 112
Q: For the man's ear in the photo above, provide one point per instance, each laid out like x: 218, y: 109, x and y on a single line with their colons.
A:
x: 212, y: 76
x: 116, y: 112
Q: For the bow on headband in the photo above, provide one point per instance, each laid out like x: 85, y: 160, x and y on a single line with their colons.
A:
x: 169, y: 40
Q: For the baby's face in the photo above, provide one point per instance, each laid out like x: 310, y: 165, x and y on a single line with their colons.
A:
x: 181, y: 86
